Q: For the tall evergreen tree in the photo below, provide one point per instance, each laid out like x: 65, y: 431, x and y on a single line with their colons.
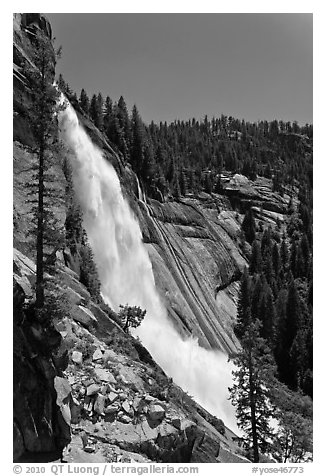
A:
x: 138, y: 141
x: 287, y: 366
x: 93, y: 110
x: 267, y: 317
x: 244, y: 305
x: 107, y: 117
x: 249, y: 226
x: 276, y: 260
x: 84, y: 101
x: 254, y: 374
x: 42, y: 115
x: 100, y: 108
x: 256, y: 258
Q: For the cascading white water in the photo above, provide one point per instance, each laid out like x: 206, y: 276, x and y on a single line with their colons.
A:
x: 127, y: 278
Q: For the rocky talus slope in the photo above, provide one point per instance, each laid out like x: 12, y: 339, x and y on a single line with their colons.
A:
x: 94, y: 389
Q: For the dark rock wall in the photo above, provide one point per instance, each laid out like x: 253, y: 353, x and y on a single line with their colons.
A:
x: 37, y: 425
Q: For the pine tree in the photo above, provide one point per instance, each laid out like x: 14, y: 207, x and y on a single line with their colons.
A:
x: 276, y: 260
x: 93, y: 110
x: 266, y: 242
x: 254, y: 374
x: 137, y: 144
x: 249, y: 226
x: 124, y: 123
x: 108, y: 107
x: 100, y: 107
x: 147, y: 172
x: 84, y: 101
x: 183, y: 182
x: 256, y: 258
x: 287, y: 333
x: 244, y: 305
x: 292, y: 442
x: 281, y: 352
x: 259, y: 287
x: 42, y: 116
x: 267, y: 317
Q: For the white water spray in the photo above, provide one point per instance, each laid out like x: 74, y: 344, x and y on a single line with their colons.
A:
x: 127, y: 278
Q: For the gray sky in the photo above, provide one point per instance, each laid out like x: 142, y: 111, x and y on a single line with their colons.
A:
x: 179, y: 66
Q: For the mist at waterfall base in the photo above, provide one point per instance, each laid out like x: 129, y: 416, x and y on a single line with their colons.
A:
x: 126, y: 275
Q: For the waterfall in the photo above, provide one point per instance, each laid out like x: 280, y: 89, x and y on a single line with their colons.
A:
x: 126, y: 274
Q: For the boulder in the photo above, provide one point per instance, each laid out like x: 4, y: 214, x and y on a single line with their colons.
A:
x: 149, y: 398
x: 126, y: 407
x: 92, y: 389
x: 98, y: 427
x: 66, y: 413
x: 177, y: 423
x: 128, y: 376
x: 137, y: 403
x: 74, y: 297
x: 123, y: 379
x: 75, y: 409
x: 84, y: 437
x: 77, y: 357
x: 124, y: 419
x: 156, y: 412
x: 112, y: 397
x: 97, y: 356
x: 111, y: 409
x: 99, y: 404
x: 104, y: 375
x: 84, y: 316
x: 109, y: 356
x: 63, y: 389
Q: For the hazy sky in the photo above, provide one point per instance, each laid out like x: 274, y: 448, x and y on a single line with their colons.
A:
x: 179, y: 66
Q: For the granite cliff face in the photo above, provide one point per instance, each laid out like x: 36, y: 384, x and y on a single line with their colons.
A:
x: 197, y: 252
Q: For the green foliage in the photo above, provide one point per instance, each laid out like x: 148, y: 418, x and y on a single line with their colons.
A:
x: 56, y: 305
x: 76, y: 240
x: 122, y: 342
x: 256, y: 258
x: 249, y: 226
x: 88, y: 272
x: 131, y: 316
x: 86, y: 346
x: 275, y: 321
x: 96, y: 110
x: 244, y: 305
x: 42, y: 110
x: 292, y: 441
x: 84, y: 101
x: 255, y: 372
x: 205, y: 148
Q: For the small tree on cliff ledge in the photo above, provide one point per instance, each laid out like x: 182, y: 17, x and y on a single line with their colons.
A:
x: 43, y: 107
x: 131, y: 316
